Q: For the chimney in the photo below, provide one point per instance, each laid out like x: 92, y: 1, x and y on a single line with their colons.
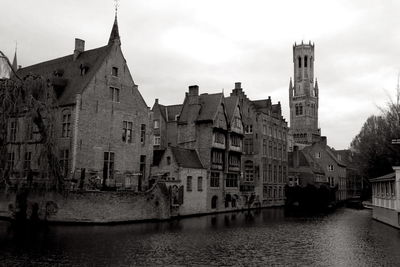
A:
x: 323, y: 140
x: 238, y: 85
x: 193, y: 94
x: 156, y: 100
x: 79, y: 47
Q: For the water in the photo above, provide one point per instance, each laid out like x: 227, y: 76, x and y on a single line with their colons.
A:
x: 344, y: 238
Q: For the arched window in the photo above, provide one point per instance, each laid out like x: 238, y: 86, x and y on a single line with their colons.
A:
x: 305, y: 61
x: 214, y: 201
x: 299, y: 62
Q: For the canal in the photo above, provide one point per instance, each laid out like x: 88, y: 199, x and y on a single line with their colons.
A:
x: 344, y: 238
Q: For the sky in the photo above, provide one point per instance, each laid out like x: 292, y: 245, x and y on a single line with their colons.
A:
x: 171, y: 44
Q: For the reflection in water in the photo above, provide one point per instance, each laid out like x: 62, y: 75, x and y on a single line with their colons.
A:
x: 344, y: 238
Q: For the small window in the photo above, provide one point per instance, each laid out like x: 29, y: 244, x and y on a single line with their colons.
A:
x: 11, y: 161
x: 168, y: 160
x: 127, y: 130
x: 143, y: 133
x: 114, y: 94
x: 330, y: 168
x: 156, y: 124
x: 108, y: 166
x: 214, y: 181
x: 114, y: 72
x: 64, y: 161
x: 27, y: 161
x: 189, y: 184
x: 157, y: 140
x: 318, y: 155
x: 13, y: 130
x: 66, y: 125
x: 199, y: 183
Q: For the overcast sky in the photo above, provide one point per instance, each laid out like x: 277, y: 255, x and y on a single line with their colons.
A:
x: 171, y: 44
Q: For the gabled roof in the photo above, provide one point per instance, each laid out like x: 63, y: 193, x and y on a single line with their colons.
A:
x: 334, y: 157
x: 209, y: 106
x: 186, y: 158
x: 230, y: 105
x: 76, y: 83
x: 172, y: 111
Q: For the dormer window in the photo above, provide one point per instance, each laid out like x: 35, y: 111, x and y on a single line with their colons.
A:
x: 114, y: 71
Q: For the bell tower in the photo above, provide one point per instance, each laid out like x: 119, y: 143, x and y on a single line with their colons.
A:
x: 304, y: 96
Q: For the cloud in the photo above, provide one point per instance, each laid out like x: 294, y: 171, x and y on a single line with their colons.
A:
x: 170, y: 45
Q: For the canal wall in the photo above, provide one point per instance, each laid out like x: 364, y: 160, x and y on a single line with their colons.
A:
x: 89, y: 206
x: 388, y: 216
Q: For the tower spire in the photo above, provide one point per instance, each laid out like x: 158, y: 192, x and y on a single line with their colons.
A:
x: 15, y: 64
x: 114, y: 36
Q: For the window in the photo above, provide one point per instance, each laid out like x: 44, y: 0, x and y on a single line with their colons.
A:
x: 279, y: 152
x: 29, y: 129
x: 156, y: 124
x: 330, y: 168
x: 280, y: 174
x: 270, y: 149
x: 234, y: 161
x: 127, y: 129
x: 10, y: 160
x: 231, y: 180
x: 168, y: 160
x: 248, y: 171
x: 219, y: 138
x: 114, y: 94
x: 157, y: 140
x: 114, y: 71
x: 108, y: 167
x: 275, y: 174
x: 235, y: 141
x: 275, y: 151
x: 284, y: 174
x: 189, y: 184
x: 265, y: 170
x: 66, y: 125
x: 214, y: 181
x: 248, y: 129
x: 264, y: 128
x: 248, y: 146
x: 199, y: 183
x: 27, y: 161
x: 217, y: 157
x: 264, y: 147
x: 331, y: 181
x: 269, y: 173
x: 237, y: 123
x: 305, y: 61
x: 143, y: 133
x: 318, y: 155
x: 299, y: 59
x: 13, y: 130
x: 64, y: 161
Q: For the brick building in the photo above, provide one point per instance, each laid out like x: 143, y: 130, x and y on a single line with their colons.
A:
x: 264, y: 159
x: 103, y: 125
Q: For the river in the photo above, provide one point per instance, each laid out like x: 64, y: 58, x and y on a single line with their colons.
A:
x: 260, y: 238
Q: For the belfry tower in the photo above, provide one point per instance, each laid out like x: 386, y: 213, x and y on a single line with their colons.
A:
x: 303, y: 96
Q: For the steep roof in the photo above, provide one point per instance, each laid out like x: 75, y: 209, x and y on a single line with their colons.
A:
x: 114, y: 31
x: 186, y: 158
x: 172, y: 111
x: 71, y: 71
x: 230, y: 105
x: 209, y: 106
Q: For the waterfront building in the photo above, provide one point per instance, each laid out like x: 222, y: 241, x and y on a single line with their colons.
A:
x: 304, y: 96
x: 354, y: 179
x: 264, y: 159
x: 304, y: 170
x: 186, y: 179
x: 102, y: 124
x: 386, y: 198
x: 211, y: 125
